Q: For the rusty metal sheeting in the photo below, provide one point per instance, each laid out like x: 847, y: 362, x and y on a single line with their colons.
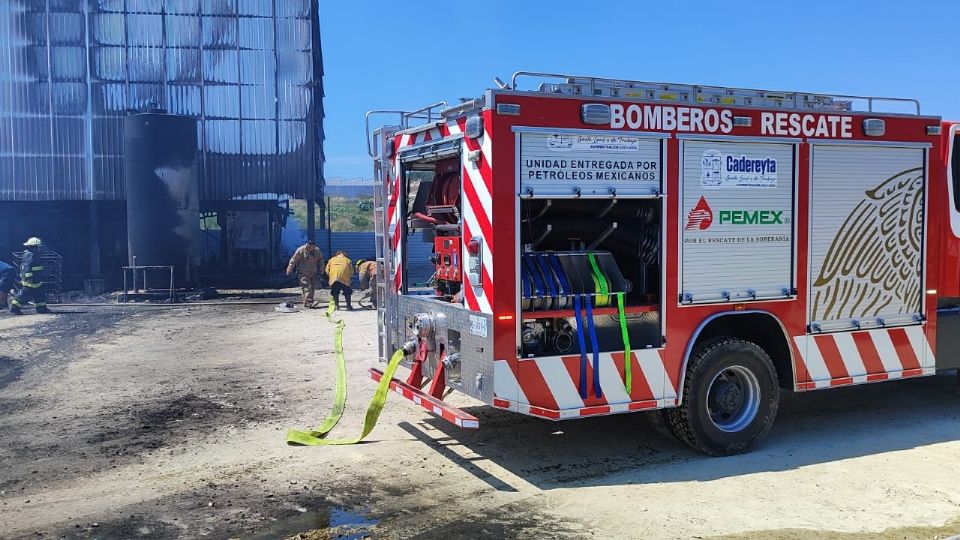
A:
x: 71, y: 70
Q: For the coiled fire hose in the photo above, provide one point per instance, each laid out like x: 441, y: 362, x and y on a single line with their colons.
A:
x: 317, y: 437
x: 604, y: 299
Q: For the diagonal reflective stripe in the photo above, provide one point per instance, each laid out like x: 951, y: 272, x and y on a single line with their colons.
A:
x: 610, y: 382
x: 886, y: 350
x: 505, y: 383
x: 816, y: 367
x: 849, y: 354
x: 486, y: 149
x: 558, y: 380
x: 652, y: 367
x: 921, y: 347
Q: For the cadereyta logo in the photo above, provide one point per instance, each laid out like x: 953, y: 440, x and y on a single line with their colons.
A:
x: 700, y: 216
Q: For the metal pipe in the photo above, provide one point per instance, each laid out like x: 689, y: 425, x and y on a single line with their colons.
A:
x: 603, y: 236
x: 543, y: 236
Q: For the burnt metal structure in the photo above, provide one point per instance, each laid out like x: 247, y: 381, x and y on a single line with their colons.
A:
x: 249, y: 72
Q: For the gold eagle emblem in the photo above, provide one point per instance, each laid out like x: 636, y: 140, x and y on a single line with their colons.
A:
x: 873, y: 265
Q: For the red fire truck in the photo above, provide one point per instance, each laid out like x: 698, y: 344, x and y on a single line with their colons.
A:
x: 594, y: 246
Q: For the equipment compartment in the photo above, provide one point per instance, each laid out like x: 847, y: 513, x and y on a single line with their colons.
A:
x: 588, y: 262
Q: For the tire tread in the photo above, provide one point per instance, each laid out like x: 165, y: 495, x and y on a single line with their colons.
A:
x: 678, y: 419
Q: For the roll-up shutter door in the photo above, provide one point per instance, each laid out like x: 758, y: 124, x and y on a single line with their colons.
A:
x: 866, y: 236
x: 736, y: 221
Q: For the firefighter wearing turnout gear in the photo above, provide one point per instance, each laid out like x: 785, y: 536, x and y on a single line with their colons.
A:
x: 367, y: 272
x: 32, y: 273
x: 340, y: 274
x: 307, y: 260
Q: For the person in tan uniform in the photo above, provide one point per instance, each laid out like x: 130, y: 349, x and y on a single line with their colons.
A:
x: 307, y: 260
x: 367, y: 272
x: 340, y: 274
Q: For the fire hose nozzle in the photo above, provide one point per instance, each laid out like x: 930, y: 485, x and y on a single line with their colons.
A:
x: 409, y: 347
x: 451, y: 361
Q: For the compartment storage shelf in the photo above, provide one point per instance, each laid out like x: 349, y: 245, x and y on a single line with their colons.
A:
x: 565, y: 313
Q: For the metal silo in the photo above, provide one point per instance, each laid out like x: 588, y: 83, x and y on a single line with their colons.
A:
x: 163, y: 196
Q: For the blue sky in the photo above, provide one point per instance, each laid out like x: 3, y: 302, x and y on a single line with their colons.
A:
x: 404, y: 55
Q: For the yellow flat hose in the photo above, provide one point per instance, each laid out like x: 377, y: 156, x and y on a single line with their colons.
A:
x: 318, y: 436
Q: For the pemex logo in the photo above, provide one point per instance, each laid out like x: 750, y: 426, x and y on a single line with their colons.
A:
x: 700, y: 216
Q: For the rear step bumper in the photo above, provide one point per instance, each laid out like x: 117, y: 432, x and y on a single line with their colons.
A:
x: 440, y: 408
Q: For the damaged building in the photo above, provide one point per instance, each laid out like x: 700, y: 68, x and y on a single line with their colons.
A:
x: 188, y: 123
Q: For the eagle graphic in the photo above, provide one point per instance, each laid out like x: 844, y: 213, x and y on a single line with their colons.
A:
x: 873, y: 263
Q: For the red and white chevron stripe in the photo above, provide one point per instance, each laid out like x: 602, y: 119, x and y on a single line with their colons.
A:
x: 476, y: 202
x: 393, y: 213
x: 549, y: 386
x: 866, y: 356
x: 477, y: 213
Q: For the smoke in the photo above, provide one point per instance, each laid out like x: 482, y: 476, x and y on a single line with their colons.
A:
x: 292, y: 235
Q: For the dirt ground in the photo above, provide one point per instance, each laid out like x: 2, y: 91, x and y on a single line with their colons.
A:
x: 160, y: 422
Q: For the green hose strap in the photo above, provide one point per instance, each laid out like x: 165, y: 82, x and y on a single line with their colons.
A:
x: 317, y: 437
x: 603, y: 298
x: 627, y: 375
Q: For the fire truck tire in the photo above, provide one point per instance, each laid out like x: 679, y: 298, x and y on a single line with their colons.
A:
x: 730, y: 398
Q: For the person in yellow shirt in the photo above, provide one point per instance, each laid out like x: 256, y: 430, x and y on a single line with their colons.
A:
x: 307, y: 261
x: 340, y: 274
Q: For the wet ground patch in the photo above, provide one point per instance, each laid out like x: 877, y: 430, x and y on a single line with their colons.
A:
x: 10, y: 370
x: 518, y: 520
x: 231, y: 510
x: 176, y: 419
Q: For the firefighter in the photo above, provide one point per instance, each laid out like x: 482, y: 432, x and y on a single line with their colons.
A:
x: 367, y: 272
x: 307, y: 260
x: 31, y: 279
x: 8, y: 277
x: 340, y: 274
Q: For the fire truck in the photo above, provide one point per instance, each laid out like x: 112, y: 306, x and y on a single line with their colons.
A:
x: 585, y: 246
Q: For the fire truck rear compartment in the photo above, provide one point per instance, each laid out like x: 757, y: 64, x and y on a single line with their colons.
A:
x: 564, y: 242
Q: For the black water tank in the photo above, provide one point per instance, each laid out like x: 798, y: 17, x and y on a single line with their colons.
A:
x: 163, y: 198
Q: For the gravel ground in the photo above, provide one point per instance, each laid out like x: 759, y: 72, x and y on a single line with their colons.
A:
x: 148, y: 422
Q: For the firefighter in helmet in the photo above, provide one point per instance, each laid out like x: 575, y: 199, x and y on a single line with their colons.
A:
x: 367, y: 272
x: 31, y: 279
x: 308, y: 262
x: 340, y: 274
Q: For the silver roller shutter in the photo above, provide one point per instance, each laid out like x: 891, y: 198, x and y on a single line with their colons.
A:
x: 866, y: 236
x: 736, y: 224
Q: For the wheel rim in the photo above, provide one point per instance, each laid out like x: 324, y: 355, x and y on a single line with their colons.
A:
x: 733, y: 399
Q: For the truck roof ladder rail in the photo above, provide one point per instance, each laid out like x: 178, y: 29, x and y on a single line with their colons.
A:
x: 707, y: 95
x: 405, y: 119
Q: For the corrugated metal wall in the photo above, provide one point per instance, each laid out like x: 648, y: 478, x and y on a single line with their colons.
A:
x: 70, y: 70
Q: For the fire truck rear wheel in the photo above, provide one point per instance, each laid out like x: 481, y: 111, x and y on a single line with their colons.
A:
x: 730, y: 398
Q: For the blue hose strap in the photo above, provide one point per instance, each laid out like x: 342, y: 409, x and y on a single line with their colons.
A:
x: 562, y: 281
x: 561, y: 275
x: 526, y: 279
x: 583, y: 348
x: 537, y: 281
x: 597, y: 392
x: 549, y: 281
